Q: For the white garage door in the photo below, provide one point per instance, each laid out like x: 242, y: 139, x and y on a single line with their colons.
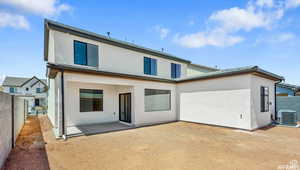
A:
x: 230, y: 108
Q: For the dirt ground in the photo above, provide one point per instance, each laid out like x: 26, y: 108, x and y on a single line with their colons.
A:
x: 177, y: 145
x: 29, y: 152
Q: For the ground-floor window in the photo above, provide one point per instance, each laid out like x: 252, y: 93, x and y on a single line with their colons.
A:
x: 37, y: 102
x: 157, y: 100
x: 91, y: 100
x: 264, y: 99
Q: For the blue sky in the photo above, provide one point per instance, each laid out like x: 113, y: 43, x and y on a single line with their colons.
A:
x: 226, y: 34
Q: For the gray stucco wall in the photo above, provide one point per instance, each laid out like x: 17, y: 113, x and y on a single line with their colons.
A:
x: 290, y: 103
x: 5, y: 126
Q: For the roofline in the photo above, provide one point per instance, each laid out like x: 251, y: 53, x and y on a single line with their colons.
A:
x: 251, y: 70
x: 203, y: 66
x: 289, y: 86
x: 48, y: 24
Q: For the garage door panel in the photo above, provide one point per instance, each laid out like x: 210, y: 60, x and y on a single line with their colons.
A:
x: 224, y: 108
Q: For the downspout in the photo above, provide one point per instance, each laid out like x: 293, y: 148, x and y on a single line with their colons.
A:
x: 12, y: 121
x: 64, y: 134
x: 275, y: 89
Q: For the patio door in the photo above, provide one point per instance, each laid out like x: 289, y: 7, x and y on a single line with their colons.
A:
x: 125, y: 107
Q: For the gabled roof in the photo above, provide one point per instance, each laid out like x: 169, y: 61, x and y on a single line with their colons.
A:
x: 49, y: 24
x: 211, y: 75
x: 19, y: 81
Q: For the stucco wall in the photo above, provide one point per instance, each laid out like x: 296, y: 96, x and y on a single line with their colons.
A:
x: 260, y: 119
x: 222, y: 101
x: 19, y: 112
x: 196, y: 70
x: 5, y: 126
x: 111, y: 58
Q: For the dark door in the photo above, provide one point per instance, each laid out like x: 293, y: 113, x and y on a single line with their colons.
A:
x: 125, y: 107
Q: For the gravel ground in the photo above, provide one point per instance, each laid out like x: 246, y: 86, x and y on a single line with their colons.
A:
x: 179, y: 145
x: 29, y: 152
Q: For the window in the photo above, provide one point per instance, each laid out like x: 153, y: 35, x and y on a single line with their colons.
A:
x: 12, y: 90
x: 27, y: 89
x: 157, y: 100
x: 91, y: 100
x: 175, y: 70
x: 264, y: 99
x: 150, y: 66
x: 38, y: 90
x: 85, y: 54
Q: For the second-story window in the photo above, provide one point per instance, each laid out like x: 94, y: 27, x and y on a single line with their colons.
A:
x: 175, y: 70
x: 150, y: 66
x: 85, y: 54
x: 38, y: 90
x: 12, y: 90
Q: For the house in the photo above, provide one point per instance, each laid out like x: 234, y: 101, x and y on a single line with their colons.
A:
x: 284, y: 89
x: 34, y: 89
x: 96, y: 79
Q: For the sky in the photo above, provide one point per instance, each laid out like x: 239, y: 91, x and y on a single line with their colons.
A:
x: 223, y: 34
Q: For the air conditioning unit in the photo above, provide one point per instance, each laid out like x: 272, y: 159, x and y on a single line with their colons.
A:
x: 287, y: 117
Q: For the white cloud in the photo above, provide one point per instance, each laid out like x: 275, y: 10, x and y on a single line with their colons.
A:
x: 191, y: 22
x: 39, y: 7
x: 217, y: 38
x: 225, y: 24
x: 277, y: 38
x: 267, y: 3
x: 292, y: 3
x: 12, y: 20
x: 163, y: 32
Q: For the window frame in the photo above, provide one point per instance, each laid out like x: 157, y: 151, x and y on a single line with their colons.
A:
x: 175, y: 70
x: 12, y: 91
x: 170, y: 100
x: 152, y: 64
x: 86, y: 53
x: 264, y: 104
x: 101, y: 109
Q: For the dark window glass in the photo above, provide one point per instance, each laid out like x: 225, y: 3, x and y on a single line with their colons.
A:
x: 150, y: 66
x: 264, y: 99
x: 91, y: 100
x: 80, y: 53
x: 157, y: 100
x: 85, y: 54
x: 38, y: 90
x: 12, y: 90
x: 92, y: 55
x: 37, y: 102
x: 175, y: 70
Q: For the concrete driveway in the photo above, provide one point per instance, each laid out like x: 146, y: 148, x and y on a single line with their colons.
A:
x: 177, y: 145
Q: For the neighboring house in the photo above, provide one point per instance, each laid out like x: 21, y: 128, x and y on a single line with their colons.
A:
x: 283, y: 89
x: 97, y: 79
x: 33, y: 88
x: 1, y: 89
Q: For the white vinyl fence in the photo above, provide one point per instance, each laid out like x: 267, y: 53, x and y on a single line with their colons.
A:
x: 12, y: 117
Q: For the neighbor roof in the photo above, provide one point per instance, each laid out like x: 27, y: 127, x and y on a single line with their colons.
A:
x: 19, y: 81
x: 210, y: 75
x: 289, y: 86
x: 97, y: 37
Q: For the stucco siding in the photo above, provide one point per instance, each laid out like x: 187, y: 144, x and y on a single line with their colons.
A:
x: 261, y: 119
x: 222, y: 101
x: 111, y: 58
x: 196, y: 70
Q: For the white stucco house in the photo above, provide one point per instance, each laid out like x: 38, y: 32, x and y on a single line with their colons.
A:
x: 33, y: 89
x: 96, y: 79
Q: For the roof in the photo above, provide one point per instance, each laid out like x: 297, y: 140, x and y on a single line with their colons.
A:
x: 19, y: 81
x: 210, y: 75
x: 234, y: 71
x: 49, y: 24
x: 203, y: 66
x: 289, y: 86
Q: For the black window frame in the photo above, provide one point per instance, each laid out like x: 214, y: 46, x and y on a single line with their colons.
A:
x: 86, y: 53
x: 101, y: 108
x: 264, y: 94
